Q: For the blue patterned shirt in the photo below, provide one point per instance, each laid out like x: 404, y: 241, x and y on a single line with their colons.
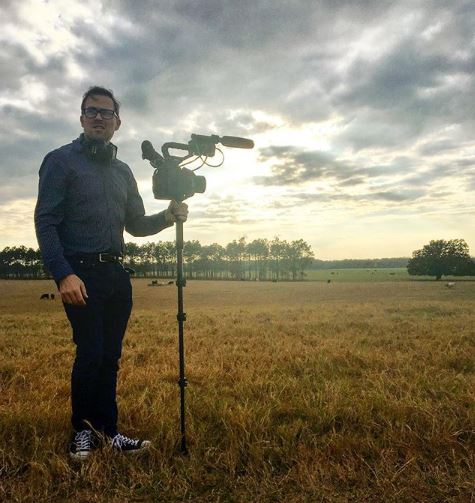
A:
x: 84, y: 206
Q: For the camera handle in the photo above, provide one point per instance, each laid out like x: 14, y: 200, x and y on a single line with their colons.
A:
x: 181, y: 318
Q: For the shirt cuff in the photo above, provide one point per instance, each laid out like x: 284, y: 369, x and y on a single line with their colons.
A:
x: 161, y: 221
x: 60, y: 270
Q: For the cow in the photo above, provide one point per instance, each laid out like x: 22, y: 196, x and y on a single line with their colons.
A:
x: 48, y: 296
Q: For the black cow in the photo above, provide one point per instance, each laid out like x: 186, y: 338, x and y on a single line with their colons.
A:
x: 49, y: 296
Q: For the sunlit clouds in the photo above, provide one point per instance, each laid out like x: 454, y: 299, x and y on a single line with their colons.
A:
x: 361, y: 112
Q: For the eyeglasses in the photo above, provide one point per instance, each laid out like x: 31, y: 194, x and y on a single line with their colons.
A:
x: 91, y: 112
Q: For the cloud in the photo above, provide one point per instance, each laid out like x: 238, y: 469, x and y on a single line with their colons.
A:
x: 292, y: 166
x: 394, y: 81
x: 434, y: 148
x: 398, y: 195
x: 172, y: 58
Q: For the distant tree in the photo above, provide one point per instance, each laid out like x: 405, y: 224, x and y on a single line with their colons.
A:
x: 131, y: 255
x: 149, y: 258
x: 235, y: 252
x: 259, y: 251
x: 191, y: 253
x: 442, y: 258
x: 300, y: 257
x: 278, y: 252
x: 215, y: 253
x: 169, y: 257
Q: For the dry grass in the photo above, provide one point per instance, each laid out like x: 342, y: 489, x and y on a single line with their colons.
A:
x: 360, y: 392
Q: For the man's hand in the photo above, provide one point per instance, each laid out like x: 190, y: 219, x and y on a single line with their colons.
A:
x: 176, y: 212
x: 73, y: 290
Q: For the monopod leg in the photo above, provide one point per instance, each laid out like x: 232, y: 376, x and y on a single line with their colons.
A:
x: 181, y: 317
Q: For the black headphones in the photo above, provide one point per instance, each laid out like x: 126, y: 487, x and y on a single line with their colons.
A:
x: 98, y: 150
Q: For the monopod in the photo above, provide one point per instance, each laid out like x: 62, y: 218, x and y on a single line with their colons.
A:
x: 173, y: 181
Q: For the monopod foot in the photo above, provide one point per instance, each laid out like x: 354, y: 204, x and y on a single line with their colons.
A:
x: 182, y: 448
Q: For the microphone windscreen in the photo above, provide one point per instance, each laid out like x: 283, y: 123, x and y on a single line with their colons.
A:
x: 236, y: 142
x: 148, y: 152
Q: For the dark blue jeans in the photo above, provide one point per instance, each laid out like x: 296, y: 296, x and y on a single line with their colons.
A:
x: 98, y: 330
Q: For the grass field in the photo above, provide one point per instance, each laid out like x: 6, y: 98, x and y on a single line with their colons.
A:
x: 374, y: 275
x: 298, y: 392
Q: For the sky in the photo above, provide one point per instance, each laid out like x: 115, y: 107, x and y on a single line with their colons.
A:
x: 362, y: 112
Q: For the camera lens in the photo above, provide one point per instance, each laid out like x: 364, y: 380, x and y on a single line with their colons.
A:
x: 199, y: 184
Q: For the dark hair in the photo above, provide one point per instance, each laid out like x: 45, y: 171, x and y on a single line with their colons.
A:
x: 100, y: 91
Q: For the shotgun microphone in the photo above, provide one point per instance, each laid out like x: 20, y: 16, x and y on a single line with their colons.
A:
x: 149, y: 153
x: 236, y: 142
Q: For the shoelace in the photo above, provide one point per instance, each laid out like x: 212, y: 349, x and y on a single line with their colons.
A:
x: 121, y: 440
x: 83, y: 440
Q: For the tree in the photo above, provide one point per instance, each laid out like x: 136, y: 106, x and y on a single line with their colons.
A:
x: 191, y: 253
x: 278, y: 251
x: 441, y: 258
x: 212, y: 259
x: 299, y: 255
x: 235, y: 252
x: 259, y: 249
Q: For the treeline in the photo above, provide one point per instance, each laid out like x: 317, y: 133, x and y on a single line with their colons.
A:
x: 376, y: 263
x: 260, y: 259
x: 20, y: 262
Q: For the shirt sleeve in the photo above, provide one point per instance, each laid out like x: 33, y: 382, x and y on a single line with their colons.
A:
x: 49, y: 213
x: 136, y: 222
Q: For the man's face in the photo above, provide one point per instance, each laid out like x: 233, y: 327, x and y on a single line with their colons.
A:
x: 98, y: 128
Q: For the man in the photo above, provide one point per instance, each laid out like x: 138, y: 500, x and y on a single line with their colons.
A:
x: 86, y: 198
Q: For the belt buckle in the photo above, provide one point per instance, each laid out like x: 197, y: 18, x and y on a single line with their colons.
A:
x: 101, y: 259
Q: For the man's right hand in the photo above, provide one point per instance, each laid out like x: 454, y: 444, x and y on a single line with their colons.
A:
x: 73, y: 290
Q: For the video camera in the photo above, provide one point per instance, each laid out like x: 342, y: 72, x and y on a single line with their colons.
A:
x: 171, y: 180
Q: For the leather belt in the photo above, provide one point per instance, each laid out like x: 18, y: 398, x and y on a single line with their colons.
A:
x: 102, y: 258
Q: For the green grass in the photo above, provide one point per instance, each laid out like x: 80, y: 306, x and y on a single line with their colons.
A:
x: 344, y: 275
x: 372, y: 275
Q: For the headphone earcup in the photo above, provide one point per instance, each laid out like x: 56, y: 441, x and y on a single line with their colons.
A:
x: 99, y: 151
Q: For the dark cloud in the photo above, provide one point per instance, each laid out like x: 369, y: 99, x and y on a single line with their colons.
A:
x: 19, y: 187
x: 391, y: 197
x: 418, y: 85
x: 12, y: 73
x: 291, y: 166
x: 438, y: 147
x: 397, y: 195
x: 181, y: 57
x: 466, y: 163
x: 26, y: 137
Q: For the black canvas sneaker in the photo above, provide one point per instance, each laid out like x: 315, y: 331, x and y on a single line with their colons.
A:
x: 81, y: 445
x: 122, y: 443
